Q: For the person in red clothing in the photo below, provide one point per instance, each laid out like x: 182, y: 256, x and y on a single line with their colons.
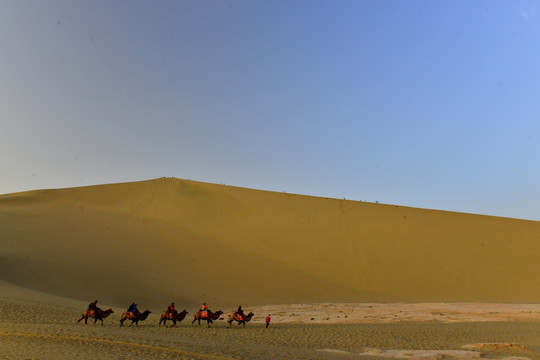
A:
x: 93, y: 305
x: 92, y: 308
x: 267, y: 320
x: 240, y: 313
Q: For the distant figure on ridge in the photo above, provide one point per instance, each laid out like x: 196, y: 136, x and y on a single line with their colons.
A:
x: 267, y: 320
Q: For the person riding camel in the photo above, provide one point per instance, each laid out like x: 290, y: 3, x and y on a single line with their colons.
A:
x: 204, y: 309
x: 133, y: 309
x: 92, y: 307
x: 240, y: 312
x: 171, y: 309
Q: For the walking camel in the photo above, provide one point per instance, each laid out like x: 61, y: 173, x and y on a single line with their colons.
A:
x: 240, y: 319
x: 97, y: 314
x: 135, y: 318
x: 207, y: 315
x: 176, y: 316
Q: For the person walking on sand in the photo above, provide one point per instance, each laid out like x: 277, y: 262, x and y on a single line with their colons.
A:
x: 267, y: 320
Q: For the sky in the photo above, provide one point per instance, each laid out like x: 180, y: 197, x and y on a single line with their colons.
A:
x: 430, y: 104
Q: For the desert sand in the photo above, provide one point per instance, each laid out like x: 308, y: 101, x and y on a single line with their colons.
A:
x: 342, y: 279
x: 41, y: 326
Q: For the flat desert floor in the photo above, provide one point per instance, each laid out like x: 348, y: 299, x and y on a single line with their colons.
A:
x: 48, y: 329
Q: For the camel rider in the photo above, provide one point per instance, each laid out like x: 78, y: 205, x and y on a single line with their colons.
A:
x: 240, y: 312
x: 92, y: 307
x: 171, y: 309
x: 133, y: 308
x: 204, y: 307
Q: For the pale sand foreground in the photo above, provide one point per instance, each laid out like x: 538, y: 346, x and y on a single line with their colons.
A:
x: 48, y: 329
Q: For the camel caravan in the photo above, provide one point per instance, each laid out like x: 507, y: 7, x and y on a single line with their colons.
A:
x: 170, y: 314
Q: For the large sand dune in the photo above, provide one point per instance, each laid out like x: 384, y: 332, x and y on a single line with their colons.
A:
x: 175, y: 240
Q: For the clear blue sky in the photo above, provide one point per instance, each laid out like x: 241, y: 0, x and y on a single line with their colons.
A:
x: 431, y: 104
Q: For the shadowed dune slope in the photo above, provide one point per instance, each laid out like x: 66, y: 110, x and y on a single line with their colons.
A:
x: 176, y: 240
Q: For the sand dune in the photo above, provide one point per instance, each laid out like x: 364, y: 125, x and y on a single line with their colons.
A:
x: 176, y: 240
x: 342, y: 279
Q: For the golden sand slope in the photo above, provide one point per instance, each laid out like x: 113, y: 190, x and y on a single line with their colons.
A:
x: 175, y: 240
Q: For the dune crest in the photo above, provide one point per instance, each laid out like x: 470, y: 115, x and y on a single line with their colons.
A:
x: 169, y: 239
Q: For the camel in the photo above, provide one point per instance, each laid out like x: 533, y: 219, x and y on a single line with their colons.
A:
x: 209, y: 318
x: 176, y: 316
x: 135, y: 318
x: 236, y: 317
x: 97, y: 314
